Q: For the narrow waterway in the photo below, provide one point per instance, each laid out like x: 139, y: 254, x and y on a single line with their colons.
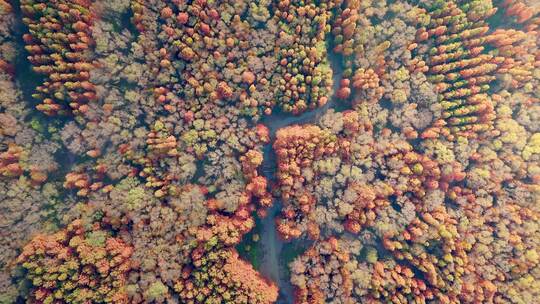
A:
x: 274, y: 259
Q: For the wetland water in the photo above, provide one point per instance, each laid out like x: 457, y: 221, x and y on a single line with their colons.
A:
x: 270, y: 255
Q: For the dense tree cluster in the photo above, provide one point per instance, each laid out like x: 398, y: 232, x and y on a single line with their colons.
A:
x: 426, y: 188
x: 77, y: 265
x: 149, y: 158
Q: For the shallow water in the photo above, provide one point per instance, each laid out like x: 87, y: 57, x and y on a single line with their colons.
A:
x: 275, y: 253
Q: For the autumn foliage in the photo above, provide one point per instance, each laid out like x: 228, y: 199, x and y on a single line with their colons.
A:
x: 222, y: 276
x: 59, y: 43
x: 77, y: 265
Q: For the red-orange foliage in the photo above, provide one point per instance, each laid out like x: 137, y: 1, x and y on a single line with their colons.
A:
x: 77, y: 266
x: 345, y: 27
x: 438, y: 272
x: 515, y: 46
x: 461, y: 71
x: 296, y: 148
x: 9, y: 161
x: 227, y: 230
x: 221, y: 276
x: 529, y: 15
x: 12, y: 165
x: 369, y: 198
x: 59, y: 43
x: 320, y: 274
